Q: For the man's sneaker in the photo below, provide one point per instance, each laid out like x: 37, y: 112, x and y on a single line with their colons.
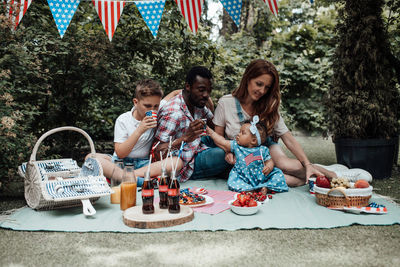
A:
x: 354, y: 175
x: 333, y: 167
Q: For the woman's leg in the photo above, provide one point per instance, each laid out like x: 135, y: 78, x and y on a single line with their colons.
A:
x: 288, y: 165
x: 292, y: 167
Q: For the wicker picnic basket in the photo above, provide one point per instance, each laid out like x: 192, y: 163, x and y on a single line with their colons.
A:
x: 340, y: 197
x: 61, y: 183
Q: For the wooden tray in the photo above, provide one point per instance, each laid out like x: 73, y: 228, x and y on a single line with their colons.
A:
x: 133, y: 217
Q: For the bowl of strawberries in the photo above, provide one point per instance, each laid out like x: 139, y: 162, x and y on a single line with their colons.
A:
x: 245, y: 203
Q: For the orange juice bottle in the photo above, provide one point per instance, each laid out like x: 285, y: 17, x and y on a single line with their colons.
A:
x: 128, y: 187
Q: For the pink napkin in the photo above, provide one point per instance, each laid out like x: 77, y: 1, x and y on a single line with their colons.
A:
x: 220, y: 204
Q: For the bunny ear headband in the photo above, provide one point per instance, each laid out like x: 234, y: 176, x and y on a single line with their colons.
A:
x: 254, y: 130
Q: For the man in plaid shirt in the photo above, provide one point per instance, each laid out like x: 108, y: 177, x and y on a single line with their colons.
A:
x: 181, y: 118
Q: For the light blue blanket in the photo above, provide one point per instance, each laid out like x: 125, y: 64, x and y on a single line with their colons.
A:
x: 295, y: 209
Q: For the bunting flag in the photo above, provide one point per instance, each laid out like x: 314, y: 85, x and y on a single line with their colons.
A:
x: 234, y: 9
x: 151, y: 12
x: 191, y: 11
x: 273, y: 6
x: 109, y: 13
x: 16, y: 10
x: 63, y: 11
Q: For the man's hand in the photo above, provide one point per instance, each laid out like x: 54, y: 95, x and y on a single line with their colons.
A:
x: 268, y: 166
x: 196, y: 128
x: 163, y: 148
x: 147, y: 123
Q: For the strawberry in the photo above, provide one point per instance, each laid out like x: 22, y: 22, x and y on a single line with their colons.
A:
x: 252, y: 203
x: 236, y: 203
x: 242, y: 199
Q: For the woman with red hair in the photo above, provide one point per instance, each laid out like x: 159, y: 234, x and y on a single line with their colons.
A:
x: 259, y: 94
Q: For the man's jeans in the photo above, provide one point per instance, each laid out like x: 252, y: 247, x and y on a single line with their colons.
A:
x: 209, y: 162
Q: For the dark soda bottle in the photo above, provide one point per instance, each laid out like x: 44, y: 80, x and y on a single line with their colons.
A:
x: 163, y: 190
x: 147, y: 196
x: 173, y: 195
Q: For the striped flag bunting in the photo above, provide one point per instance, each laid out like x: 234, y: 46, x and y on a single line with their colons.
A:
x: 191, y: 11
x: 109, y: 13
x: 63, y: 11
x: 234, y: 9
x: 273, y: 6
x: 16, y: 10
x: 151, y: 12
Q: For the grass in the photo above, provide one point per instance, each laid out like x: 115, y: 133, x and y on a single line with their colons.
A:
x: 346, y: 246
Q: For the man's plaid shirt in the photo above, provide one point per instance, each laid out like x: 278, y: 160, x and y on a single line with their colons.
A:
x: 174, y: 119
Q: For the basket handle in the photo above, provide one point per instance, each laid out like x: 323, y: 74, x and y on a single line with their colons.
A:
x: 341, y: 191
x: 59, y: 129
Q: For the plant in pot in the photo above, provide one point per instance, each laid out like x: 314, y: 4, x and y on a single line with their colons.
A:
x: 363, y: 99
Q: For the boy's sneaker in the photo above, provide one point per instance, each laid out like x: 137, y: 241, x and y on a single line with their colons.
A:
x: 333, y: 167
x: 355, y: 174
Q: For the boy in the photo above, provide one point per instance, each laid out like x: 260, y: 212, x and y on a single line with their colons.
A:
x: 134, y: 131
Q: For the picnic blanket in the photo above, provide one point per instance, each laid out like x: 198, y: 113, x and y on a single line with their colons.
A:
x: 295, y: 209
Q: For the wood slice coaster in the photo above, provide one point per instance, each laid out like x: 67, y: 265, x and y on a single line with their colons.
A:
x: 133, y: 217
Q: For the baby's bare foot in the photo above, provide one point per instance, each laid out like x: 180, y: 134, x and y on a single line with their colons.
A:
x: 264, y: 191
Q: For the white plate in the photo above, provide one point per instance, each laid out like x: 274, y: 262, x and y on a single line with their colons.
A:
x: 209, y: 200
x: 359, y: 210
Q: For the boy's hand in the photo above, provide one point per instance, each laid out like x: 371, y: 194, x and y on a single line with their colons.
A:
x: 196, y: 128
x: 268, y: 166
x: 148, y: 122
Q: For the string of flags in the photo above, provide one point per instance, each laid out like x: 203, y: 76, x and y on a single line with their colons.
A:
x: 110, y: 11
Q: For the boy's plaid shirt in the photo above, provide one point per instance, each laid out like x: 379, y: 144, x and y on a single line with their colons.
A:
x: 173, y: 120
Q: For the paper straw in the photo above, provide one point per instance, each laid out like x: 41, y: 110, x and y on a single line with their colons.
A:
x: 148, y: 168
x: 154, y: 147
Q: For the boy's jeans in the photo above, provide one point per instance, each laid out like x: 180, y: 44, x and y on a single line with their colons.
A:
x: 209, y: 162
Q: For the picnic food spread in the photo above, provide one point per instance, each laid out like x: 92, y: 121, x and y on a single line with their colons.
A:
x: 188, y: 198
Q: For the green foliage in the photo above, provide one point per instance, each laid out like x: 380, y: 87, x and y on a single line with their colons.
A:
x: 363, y: 101
x: 23, y: 88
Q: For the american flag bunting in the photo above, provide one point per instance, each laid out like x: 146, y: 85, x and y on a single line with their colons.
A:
x: 191, y: 11
x: 234, y: 8
x: 16, y: 10
x: 63, y: 11
x: 109, y: 13
x: 273, y: 6
x: 151, y: 12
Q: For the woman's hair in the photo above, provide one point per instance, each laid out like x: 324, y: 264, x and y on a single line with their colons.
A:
x: 267, y: 107
x: 148, y: 87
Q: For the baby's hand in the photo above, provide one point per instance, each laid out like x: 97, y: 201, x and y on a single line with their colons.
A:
x: 148, y: 122
x: 230, y: 158
x: 268, y: 166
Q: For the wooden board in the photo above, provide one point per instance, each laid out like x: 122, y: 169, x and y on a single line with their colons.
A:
x: 133, y: 217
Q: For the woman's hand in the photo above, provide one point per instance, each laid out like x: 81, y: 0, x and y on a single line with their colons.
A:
x: 268, y: 166
x: 311, y: 171
x: 230, y: 158
x: 147, y: 123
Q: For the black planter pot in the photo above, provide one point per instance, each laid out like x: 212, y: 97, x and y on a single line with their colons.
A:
x: 373, y: 155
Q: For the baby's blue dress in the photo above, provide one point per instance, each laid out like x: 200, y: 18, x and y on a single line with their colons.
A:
x: 247, y: 174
